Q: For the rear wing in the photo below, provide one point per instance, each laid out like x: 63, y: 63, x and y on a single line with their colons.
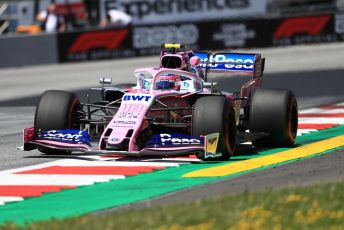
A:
x: 232, y: 62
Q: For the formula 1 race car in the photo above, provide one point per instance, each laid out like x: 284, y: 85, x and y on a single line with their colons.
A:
x: 172, y: 110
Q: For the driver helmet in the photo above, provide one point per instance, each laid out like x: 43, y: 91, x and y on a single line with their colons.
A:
x: 195, y: 61
x: 168, y: 82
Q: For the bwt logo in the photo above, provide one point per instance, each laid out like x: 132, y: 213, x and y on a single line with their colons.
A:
x: 136, y: 98
x: 168, y: 139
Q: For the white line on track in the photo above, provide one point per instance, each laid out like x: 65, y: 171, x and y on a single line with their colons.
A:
x: 5, y: 199
x: 73, y: 162
x: 300, y: 132
x: 144, y: 160
x: 68, y: 180
x: 316, y: 120
x: 114, y: 163
x: 322, y: 111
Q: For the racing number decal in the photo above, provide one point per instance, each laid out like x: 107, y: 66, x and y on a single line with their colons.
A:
x: 130, y: 111
x: 132, y: 108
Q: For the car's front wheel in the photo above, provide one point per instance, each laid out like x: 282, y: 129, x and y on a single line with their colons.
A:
x: 56, y: 110
x: 215, y: 114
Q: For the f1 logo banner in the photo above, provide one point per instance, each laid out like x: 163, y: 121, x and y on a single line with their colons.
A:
x: 95, y: 45
x: 107, y: 39
x: 307, y: 25
x: 303, y: 30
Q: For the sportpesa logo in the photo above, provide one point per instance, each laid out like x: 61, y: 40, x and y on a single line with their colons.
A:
x: 168, y: 139
x: 227, y: 61
x: 54, y: 134
x: 67, y: 136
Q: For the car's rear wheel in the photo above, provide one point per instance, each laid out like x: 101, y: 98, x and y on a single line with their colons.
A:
x: 56, y: 110
x: 275, y: 113
x: 215, y: 114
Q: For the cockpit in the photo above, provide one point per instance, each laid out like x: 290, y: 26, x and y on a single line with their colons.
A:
x: 168, y: 81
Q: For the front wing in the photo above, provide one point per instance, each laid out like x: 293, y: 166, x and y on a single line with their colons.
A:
x: 208, y: 147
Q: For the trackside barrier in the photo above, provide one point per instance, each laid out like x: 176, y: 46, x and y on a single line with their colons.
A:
x: 28, y: 50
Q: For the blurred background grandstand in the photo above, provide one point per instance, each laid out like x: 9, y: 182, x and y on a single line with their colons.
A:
x: 302, y: 7
x: 201, y: 24
x: 81, y: 14
x: 78, y: 13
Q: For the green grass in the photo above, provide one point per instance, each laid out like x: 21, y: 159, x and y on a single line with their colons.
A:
x: 316, y: 207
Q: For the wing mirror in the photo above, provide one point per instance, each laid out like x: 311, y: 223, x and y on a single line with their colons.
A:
x: 105, y: 81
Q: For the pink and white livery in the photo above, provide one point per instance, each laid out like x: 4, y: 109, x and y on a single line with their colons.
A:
x: 172, y: 110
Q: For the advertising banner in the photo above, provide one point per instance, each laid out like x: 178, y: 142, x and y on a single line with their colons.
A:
x: 147, y: 40
x: 235, y: 34
x: 206, y: 35
x: 339, y: 26
x: 304, y: 30
x: 95, y: 45
x: 147, y: 12
x: 270, y: 32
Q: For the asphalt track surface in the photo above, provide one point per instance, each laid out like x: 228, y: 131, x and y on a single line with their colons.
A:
x: 315, y: 74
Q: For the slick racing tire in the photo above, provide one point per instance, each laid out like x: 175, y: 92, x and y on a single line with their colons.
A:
x: 56, y: 110
x: 275, y: 113
x: 215, y: 114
